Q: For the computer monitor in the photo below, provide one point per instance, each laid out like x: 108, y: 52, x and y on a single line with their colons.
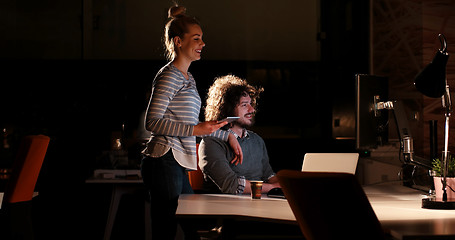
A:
x: 371, y: 124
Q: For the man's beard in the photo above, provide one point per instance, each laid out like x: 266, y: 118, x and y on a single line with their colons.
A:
x: 244, y: 124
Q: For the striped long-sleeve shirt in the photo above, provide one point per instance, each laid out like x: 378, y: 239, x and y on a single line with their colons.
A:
x: 172, y: 113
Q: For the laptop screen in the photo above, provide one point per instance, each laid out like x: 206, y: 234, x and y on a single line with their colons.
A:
x: 330, y: 162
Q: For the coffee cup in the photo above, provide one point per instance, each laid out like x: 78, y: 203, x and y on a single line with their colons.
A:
x: 256, y: 189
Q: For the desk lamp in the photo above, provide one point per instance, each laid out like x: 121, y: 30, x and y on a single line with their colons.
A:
x: 432, y: 82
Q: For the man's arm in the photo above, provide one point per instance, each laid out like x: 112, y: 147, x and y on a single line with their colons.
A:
x: 214, y: 160
x: 267, y: 171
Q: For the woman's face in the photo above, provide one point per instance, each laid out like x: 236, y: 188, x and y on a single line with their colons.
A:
x: 191, y: 44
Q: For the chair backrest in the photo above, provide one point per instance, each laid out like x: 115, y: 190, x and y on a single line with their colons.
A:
x: 196, y: 177
x: 26, y: 168
x: 330, y: 205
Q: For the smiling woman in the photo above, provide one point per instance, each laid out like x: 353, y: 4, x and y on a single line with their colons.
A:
x: 172, y: 117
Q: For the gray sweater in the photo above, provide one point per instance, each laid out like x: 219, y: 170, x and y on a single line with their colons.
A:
x: 222, y: 176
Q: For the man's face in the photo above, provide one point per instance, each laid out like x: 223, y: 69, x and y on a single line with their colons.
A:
x: 245, y: 111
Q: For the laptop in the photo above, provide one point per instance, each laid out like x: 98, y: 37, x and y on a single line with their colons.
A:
x: 330, y: 162
x: 324, y: 162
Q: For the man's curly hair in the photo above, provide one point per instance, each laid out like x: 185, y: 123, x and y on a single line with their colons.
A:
x: 224, y: 95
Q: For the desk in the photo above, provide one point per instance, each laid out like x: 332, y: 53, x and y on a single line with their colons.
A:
x: 240, y: 207
x: 398, y: 208
x: 121, y: 186
x: 2, y: 193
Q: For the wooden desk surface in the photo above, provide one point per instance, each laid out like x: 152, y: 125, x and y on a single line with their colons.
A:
x: 398, y: 208
x: 235, y: 206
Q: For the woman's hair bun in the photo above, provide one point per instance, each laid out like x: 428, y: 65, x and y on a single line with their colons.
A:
x: 176, y: 11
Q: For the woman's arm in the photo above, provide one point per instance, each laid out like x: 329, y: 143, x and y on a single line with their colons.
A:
x: 165, y: 88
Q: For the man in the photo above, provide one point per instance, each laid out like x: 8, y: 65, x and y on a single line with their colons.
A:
x: 231, y: 96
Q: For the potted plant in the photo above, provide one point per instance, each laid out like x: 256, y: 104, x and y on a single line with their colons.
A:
x: 438, y: 177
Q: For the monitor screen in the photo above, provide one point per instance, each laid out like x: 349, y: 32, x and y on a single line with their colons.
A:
x: 371, y: 126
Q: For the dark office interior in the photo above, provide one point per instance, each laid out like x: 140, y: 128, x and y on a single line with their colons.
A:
x: 80, y: 72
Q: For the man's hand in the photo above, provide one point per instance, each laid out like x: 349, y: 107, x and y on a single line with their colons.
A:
x: 238, y: 154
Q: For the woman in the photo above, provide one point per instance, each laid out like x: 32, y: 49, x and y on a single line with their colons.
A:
x: 172, y: 117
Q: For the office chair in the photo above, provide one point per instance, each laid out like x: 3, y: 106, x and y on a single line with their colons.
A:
x: 330, y: 205
x: 16, y: 204
x: 196, y: 177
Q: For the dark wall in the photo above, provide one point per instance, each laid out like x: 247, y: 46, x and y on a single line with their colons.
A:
x: 344, y: 53
x: 82, y: 102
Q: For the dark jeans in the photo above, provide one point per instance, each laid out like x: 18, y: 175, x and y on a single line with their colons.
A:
x: 165, y: 180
